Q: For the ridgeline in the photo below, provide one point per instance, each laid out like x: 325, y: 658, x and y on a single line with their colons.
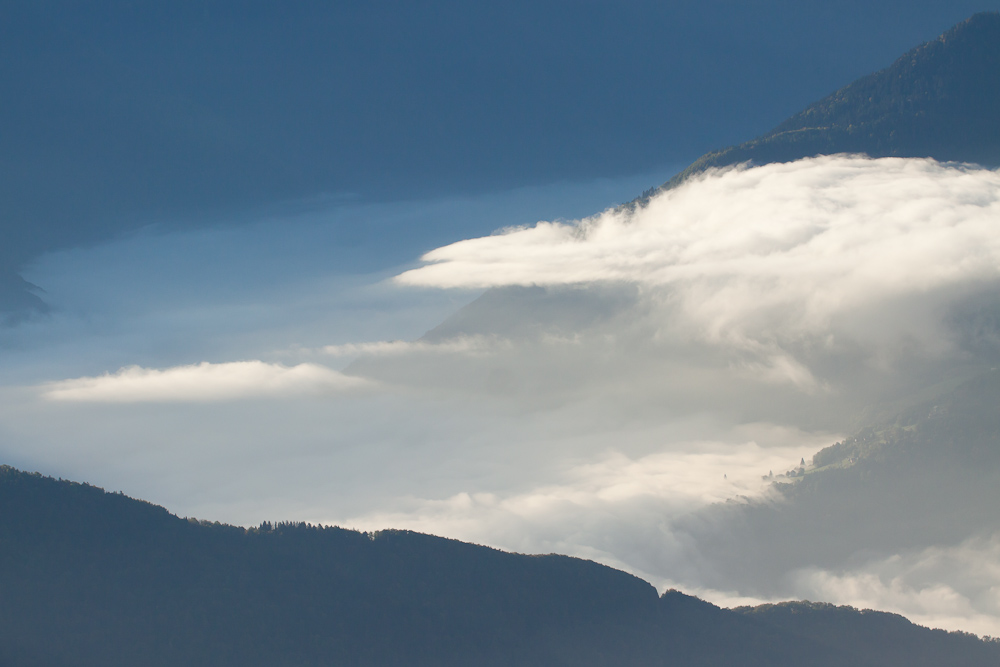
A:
x: 940, y: 100
x: 95, y: 578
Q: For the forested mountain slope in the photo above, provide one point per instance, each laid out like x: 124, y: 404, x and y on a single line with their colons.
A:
x: 870, y: 633
x: 92, y: 578
x: 940, y: 100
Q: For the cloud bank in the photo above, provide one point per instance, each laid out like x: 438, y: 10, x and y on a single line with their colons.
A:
x: 782, y: 249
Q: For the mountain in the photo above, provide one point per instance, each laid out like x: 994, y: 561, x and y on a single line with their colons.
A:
x: 940, y: 100
x: 96, y: 578
x: 926, y: 474
x: 870, y: 633
x: 18, y: 297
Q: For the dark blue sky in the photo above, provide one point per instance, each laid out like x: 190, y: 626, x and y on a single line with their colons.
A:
x: 117, y: 112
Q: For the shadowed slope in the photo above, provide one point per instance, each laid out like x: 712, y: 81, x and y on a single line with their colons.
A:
x: 925, y: 475
x: 874, y: 634
x: 91, y: 578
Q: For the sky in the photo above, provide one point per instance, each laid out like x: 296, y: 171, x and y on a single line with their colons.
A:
x: 182, y: 114
x: 364, y: 267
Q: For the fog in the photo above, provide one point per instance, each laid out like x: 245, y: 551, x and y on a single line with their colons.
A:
x: 622, y: 376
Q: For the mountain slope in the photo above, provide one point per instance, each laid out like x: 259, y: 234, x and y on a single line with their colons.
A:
x: 870, y: 632
x: 925, y: 475
x: 940, y: 100
x: 92, y: 578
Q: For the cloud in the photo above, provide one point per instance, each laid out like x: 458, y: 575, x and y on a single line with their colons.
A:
x: 796, y: 292
x: 200, y: 383
x: 764, y: 252
x: 617, y: 506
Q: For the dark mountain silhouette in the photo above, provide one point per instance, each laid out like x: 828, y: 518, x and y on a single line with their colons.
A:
x: 870, y: 633
x: 95, y: 578
x: 940, y: 100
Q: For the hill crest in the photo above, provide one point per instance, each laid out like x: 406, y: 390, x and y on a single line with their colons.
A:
x: 96, y: 578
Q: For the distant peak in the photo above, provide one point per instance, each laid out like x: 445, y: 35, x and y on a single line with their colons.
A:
x: 940, y: 100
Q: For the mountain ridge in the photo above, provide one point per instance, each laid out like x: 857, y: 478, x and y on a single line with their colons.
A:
x: 97, y: 578
x: 939, y: 100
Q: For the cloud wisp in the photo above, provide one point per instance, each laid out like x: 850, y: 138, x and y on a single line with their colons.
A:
x: 204, y: 382
x: 462, y: 345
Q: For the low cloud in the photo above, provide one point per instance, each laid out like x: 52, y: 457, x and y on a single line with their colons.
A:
x: 615, y: 506
x: 200, y: 383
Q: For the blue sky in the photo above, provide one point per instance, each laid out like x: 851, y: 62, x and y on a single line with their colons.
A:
x: 127, y: 113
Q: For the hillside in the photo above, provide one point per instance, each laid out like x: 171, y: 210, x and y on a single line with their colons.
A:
x: 921, y: 475
x: 940, y: 100
x: 871, y: 633
x: 929, y: 471
x: 94, y: 578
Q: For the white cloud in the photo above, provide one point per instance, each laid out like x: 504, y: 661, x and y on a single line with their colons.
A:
x: 782, y: 249
x: 201, y: 382
x: 835, y: 278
